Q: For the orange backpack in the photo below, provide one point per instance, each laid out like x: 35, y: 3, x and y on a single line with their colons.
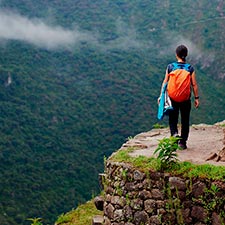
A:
x: 179, y: 84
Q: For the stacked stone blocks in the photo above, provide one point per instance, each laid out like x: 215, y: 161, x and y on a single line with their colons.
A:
x: 134, y: 197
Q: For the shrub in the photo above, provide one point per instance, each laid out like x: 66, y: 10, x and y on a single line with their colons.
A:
x: 166, y: 151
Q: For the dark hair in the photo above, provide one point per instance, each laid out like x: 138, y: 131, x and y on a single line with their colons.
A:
x: 182, y: 52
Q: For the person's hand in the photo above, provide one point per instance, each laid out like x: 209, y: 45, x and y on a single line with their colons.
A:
x: 196, y: 103
x: 158, y: 100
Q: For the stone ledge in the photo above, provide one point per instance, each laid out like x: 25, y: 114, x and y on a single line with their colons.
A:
x: 98, y: 220
x: 158, y: 198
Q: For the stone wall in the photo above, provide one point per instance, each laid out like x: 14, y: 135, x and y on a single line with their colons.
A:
x: 133, y: 197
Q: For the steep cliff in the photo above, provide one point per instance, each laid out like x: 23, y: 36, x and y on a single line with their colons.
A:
x: 137, y: 191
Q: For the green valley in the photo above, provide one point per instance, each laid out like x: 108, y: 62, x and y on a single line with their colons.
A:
x: 79, y: 77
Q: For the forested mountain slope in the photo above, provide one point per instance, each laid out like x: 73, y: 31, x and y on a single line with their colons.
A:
x: 78, y: 77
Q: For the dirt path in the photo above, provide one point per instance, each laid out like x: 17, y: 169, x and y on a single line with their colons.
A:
x: 204, y: 140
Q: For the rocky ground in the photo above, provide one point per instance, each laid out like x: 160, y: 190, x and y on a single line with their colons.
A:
x: 206, y: 144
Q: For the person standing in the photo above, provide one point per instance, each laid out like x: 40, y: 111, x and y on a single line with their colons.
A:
x: 181, y: 79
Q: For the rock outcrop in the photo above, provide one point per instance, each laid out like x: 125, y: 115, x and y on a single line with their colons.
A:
x: 205, y: 143
x: 134, y: 197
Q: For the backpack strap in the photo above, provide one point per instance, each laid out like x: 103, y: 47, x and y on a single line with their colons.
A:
x: 176, y: 65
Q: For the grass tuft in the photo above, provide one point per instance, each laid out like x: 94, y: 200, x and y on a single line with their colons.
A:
x: 82, y: 215
x: 185, y: 169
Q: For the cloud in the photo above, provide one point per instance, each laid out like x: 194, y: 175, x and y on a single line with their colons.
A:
x: 35, y: 31
x: 127, y: 38
x: 14, y: 26
x: 195, y: 55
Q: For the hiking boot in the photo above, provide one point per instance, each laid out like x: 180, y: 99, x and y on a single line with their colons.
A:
x: 182, y: 145
x: 176, y: 135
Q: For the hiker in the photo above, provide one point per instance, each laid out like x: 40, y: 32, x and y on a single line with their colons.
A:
x: 180, y: 77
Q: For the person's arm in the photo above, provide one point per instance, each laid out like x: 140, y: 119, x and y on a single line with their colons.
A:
x: 195, y: 89
x: 166, y: 79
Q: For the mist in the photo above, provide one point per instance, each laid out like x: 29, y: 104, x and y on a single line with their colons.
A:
x: 127, y: 38
x: 195, y: 55
x: 35, y: 31
x: 38, y: 32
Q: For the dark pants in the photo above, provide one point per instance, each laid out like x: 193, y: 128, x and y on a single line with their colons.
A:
x: 184, y: 108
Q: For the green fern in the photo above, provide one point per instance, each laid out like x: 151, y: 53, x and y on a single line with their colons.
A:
x: 35, y: 221
x: 166, y: 151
